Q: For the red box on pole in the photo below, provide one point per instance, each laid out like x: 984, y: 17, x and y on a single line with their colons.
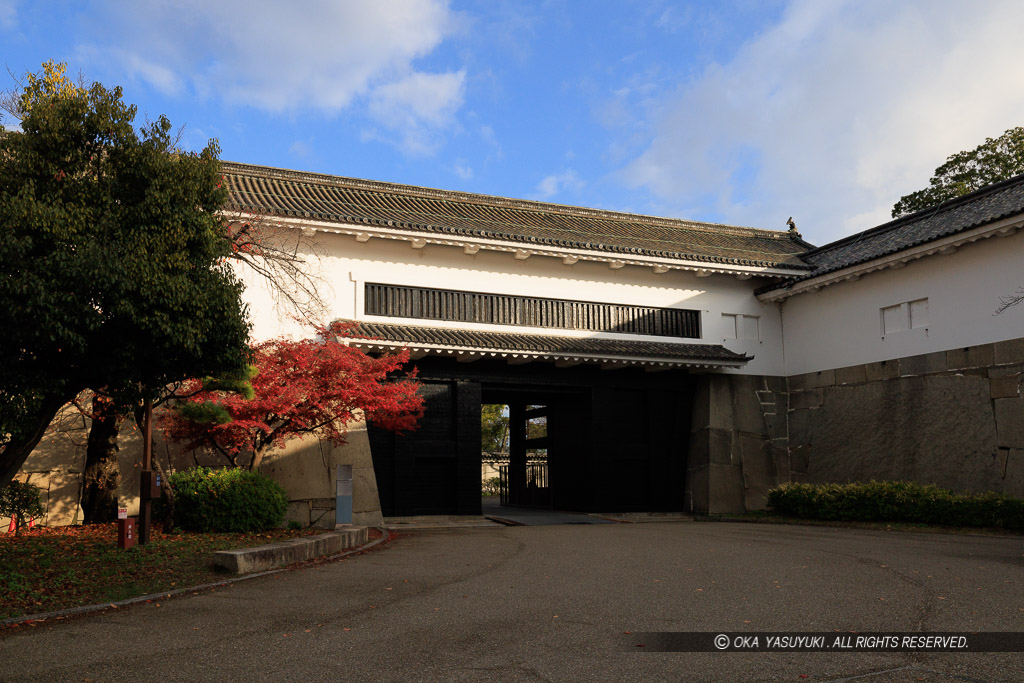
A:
x: 126, y: 536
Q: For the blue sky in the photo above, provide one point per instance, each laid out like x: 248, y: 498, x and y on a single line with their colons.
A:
x: 736, y: 112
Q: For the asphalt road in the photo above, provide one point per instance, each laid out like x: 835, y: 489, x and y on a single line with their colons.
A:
x: 553, y: 603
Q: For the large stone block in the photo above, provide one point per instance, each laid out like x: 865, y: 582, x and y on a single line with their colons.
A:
x: 923, y: 364
x: 701, y: 413
x: 1013, y: 472
x: 758, y: 471
x: 298, y: 512
x: 1010, y: 351
x: 812, y: 380
x: 747, y: 409
x: 364, y: 480
x: 301, y: 468
x: 777, y: 425
x: 721, y: 447
x: 776, y: 384
x: 720, y: 404
x: 696, y: 491
x: 882, y: 370
x: 1005, y: 387
x: 798, y: 458
x: 981, y: 356
x: 938, y: 428
x: 698, y: 455
x: 725, y: 489
x: 1006, y: 370
x: 854, y: 374
x: 802, y: 400
x: 781, y: 458
x: 1010, y: 422
x: 64, y: 491
x: 306, y: 468
x: 801, y: 427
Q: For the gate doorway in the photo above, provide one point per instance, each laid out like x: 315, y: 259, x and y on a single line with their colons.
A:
x: 524, y: 480
x: 581, y: 439
x: 546, y: 442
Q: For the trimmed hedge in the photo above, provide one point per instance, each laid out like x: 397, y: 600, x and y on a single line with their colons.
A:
x: 897, y: 501
x: 231, y: 500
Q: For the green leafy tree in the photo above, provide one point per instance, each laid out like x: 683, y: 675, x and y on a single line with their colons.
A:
x: 113, y: 260
x: 493, y: 428
x: 964, y: 172
x: 20, y: 501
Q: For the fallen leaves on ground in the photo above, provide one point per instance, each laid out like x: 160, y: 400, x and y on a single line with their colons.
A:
x: 51, y: 568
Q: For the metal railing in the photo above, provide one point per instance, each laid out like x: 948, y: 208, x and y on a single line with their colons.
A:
x: 534, y: 491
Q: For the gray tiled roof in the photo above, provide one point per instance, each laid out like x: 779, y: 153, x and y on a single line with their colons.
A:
x: 270, y: 191
x: 986, y: 205
x: 546, y: 344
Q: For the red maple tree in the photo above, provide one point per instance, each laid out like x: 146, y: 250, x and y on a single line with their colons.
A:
x: 314, y: 386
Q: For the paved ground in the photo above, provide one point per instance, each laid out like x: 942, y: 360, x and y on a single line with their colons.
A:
x: 526, y: 516
x: 552, y: 603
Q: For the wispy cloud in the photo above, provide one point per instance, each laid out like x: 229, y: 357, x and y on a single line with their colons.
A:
x: 418, y: 106
x: 317, y: 55
x: 554, y: 184
x: 8, y: 13
x: 835, y: 112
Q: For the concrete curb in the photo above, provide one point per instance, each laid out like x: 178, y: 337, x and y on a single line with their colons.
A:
x: 85, y: 609
x: 263, y: 557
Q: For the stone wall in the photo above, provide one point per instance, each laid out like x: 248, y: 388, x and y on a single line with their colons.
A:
x: 56, y: 467
x: 952, y: 418
x: 738, y: 443
x: 305, y: 468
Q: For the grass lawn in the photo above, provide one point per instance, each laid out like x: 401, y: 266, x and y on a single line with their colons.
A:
x: 46, y: 569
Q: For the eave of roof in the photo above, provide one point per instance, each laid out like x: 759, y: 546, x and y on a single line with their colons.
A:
x: 962, y: 219
x: 315, y: 197
x: 517, y: 347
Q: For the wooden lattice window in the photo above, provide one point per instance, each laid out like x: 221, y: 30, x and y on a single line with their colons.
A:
x: 501, y: 309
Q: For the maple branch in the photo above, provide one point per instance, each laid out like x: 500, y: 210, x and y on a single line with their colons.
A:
x: 233, y: 461
x: 280, y: 258
x: 1006, y: 302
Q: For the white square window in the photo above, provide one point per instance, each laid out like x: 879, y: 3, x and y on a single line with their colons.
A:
x: 739, y: 326
x: 894, y: 319
x: 748, y: 327
x: 909, y: 315
x: 729, y: 326
x: 919, y: 313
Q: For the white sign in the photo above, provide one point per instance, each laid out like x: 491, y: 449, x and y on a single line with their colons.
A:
x: 122, y: 513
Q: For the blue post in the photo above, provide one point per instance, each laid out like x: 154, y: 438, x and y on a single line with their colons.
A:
x: 343, y: 496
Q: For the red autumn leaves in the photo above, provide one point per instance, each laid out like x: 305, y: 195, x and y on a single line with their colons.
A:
x: 314, y: 386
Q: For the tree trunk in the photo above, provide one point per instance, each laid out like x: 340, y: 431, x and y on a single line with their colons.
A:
x: 16, y: 451
x: 102, y: 473
x: 257, y: 457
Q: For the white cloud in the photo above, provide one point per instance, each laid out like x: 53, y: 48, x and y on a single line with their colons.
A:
x: 417, y: 106
x: 300, y: 149
x: 463, y: 170
x: 289, y: 57
x: 157, y: 76
x: 489, y: 138
x: 553, y: 184
x: 835, y: 112
x: 8, y: 13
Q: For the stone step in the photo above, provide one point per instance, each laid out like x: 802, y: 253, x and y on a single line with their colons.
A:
x: 263, y: 557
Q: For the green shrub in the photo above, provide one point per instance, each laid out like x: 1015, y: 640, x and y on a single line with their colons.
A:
x: 227, y: 500
x: 491, y: 486
x: 20, y: 501
x: 897, y: 501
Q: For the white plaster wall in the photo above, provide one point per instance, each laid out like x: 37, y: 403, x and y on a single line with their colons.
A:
x: 347, y: 265
x: 840, y: 325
